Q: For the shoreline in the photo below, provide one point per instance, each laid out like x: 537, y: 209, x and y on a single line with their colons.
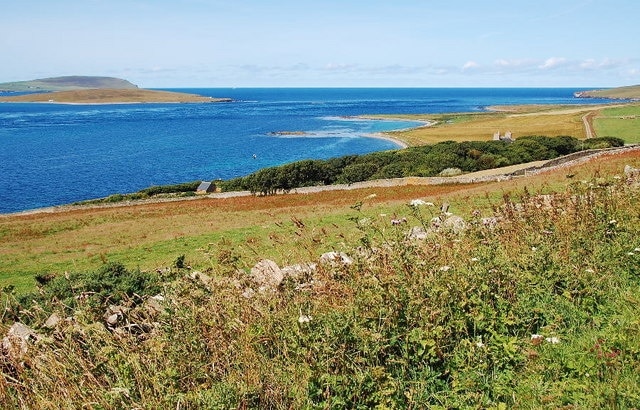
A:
x: 383, y: 136
x: 490, y: 175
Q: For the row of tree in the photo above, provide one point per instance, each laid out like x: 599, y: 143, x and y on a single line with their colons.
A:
x: 423, y: 161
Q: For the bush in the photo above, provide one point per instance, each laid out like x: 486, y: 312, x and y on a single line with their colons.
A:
x: 422, y: 161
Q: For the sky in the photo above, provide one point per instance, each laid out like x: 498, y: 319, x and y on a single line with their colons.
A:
x: 325, y: 43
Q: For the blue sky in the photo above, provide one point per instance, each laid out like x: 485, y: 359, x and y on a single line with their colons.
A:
x: 325, y: 43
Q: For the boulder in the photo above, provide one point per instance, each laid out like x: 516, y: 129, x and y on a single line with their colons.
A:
x: 300, y: 271
x: 336, y: 259
x: 16, y: 343
x: 267, y: 275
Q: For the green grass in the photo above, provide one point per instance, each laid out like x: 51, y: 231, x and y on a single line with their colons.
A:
x: 622, y: 122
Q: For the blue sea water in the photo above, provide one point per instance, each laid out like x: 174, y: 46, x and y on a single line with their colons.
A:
x: 52, y: 154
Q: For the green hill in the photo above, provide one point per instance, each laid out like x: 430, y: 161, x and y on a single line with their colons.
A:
x: 67, y: 83
x: 628, y: 92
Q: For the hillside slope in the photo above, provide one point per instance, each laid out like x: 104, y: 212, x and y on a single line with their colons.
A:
x: 65, y: 83
x: 628, y: 92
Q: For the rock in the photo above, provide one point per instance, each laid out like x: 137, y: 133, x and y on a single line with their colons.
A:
x: 52, y: 321
x: 115, y: 314
x: 153, y: 305
x: 489, y: 222
x: 335, y: 259
x: 454, y: 224
x: 16, y: 344
x: 633, y: 175
x: 300, y: 271
x: 202, y: 277
x: 417, y: 233
x: 267, y: 275
x: 113, y: 320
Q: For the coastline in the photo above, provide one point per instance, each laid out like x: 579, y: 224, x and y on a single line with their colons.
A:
x: 111, y: 96
x: 383, y: 136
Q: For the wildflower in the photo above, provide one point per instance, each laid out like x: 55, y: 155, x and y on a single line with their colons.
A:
x: 536, y: 339
x: 630, y: 253
x: 553, y: 340
x: 533, y: 248
x: 479, y: 344
x: 304, y: 318
x: 445, y: 268
x: 636, y: 250
x: 613, y: 222
x: 475, y: 259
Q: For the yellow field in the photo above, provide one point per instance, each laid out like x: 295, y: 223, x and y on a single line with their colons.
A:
x: 520, y: 120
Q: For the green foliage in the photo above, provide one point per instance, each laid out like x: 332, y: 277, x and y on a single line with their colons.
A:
x: 603, y: 142
x: 108, y: 285
x: 170, y: 189
x: 421, y: 161
x: 184, y: 189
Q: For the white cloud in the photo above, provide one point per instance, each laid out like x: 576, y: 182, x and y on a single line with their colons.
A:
x: 470, y: 65
x: 553, y: 62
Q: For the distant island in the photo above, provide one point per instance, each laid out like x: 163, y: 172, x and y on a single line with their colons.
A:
x: 67, y: 83
x: 631, y: 92
x: 93, y: 90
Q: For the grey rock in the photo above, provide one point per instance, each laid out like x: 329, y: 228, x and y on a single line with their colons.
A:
x: 267, y: 275
x: 16, y: 343
x: 336, y: 259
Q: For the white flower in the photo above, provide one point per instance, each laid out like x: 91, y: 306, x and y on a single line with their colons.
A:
x: 304, y: 319
x: 475, y: 259
x: 536, y: 336
x: 533, y: 248
x: 613, y: 222
x: 479, y: 344
x: 445, y: 268
x: 636, y: 250
x: 553, y: 340
x: 630, y: 253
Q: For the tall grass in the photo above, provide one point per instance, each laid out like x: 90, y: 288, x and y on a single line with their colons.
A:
x: 450, y: 321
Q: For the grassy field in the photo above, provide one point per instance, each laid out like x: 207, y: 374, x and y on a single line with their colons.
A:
x: 623, y: 122
x: 482, y: 126
x: 152, y: 236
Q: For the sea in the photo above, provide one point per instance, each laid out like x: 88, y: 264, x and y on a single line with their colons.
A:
x: 54, y: 154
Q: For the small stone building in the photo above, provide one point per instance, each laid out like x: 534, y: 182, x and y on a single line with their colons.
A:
x: 206, y: 187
